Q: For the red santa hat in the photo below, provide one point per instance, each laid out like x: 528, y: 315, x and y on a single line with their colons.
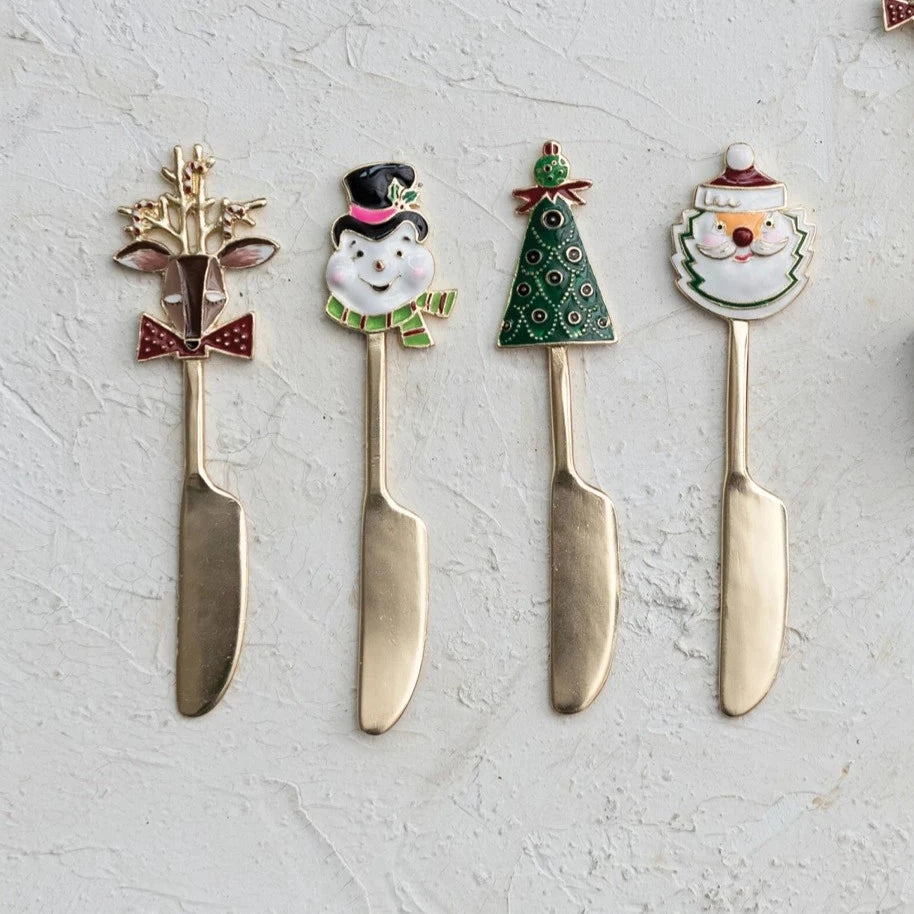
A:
x: 742, y: 188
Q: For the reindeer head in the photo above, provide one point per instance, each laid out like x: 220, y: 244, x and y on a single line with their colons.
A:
x: 193, y: 276
x: 193, y: 285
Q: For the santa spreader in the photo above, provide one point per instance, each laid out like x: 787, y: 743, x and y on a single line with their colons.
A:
x: 742, y: 255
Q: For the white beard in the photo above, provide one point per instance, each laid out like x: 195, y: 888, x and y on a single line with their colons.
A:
x: 758, y: 279
x: 709, y: 273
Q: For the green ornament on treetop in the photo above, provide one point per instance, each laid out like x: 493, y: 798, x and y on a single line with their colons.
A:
x: 551, y: 169
x: 555, y: 298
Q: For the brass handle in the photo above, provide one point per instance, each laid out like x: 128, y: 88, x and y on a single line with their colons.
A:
x: 738, y: 399
x: 194, y: 429
x: 560, y: 400
x: 376, y: 414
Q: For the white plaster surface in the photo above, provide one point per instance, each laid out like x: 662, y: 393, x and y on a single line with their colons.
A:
x: 481, y: 800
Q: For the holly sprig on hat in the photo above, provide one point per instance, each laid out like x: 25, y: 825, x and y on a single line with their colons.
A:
x: 402, y: 198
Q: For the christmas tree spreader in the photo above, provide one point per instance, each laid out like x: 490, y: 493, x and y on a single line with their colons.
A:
x: 555, y: 302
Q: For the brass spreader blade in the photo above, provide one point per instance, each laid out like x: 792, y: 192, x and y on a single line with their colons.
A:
x: 754, y: 569
x: 394, y: 590
x: 213, y: 577
x: 585, y: 564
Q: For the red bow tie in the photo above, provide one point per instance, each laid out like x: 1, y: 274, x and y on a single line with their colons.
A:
x: 157, y: 340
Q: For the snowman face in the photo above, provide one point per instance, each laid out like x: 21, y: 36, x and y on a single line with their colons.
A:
x: 742, y: 265
x: 377, y: 277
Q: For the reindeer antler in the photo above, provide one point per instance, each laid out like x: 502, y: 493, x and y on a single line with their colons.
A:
x: 233, y: 212
x: 182, y: 215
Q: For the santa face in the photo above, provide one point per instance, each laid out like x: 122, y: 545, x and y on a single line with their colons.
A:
x: 742, y: 265
x: 377, y: 277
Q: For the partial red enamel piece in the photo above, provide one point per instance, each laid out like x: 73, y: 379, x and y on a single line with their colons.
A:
x: 897, y: 13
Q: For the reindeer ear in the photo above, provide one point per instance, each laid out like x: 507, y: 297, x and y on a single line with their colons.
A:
x: 146, y: 256
x: 247, y: 252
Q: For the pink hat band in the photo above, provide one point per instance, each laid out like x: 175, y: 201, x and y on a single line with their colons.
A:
x: 372, y: 216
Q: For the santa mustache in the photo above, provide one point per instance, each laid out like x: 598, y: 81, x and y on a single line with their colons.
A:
x: 727, y: 248
x: 766, y: 248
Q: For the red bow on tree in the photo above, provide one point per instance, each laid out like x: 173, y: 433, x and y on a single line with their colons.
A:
x: 532, y: 195
x: 156, y: 340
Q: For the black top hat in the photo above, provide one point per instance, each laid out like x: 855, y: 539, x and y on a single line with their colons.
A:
x: 377, y: 204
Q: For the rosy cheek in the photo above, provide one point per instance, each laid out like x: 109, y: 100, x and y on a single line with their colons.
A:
x: 337, y: 277
x: 712, y: 240
x: 419, y: 272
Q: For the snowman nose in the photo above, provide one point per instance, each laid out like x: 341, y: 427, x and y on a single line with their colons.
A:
x: 379, y: 264
x: 742, y: 237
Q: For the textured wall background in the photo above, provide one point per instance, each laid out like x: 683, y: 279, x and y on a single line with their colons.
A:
x: 481, y: 800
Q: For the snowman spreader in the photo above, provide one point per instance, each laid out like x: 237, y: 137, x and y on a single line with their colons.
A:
x: 187, y: 238
x: 379, y: 276
x: 742, y: 255
x: 556, y: 302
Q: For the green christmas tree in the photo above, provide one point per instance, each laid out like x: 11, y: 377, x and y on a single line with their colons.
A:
x: 555, y: 299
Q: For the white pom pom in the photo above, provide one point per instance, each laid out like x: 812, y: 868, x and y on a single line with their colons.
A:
x: 740, y: 156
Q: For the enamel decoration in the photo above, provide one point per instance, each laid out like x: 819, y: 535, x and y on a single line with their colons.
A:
x: 896, y: 13
x: 379, y: 276
x: 742, y: 255
x: 555, y: 301
x: 189, y: 239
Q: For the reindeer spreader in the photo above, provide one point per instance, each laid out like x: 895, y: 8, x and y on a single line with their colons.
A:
x: 188, y: 238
